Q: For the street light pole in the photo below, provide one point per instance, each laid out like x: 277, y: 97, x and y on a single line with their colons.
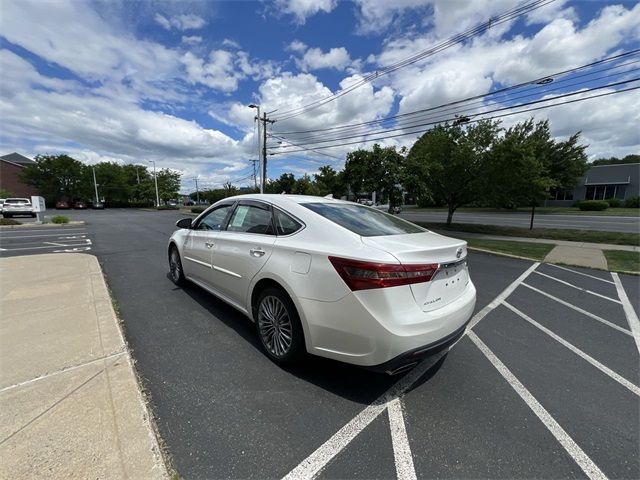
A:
x: 197, y: 192
x: 155, y: 177
x: 95, y: 185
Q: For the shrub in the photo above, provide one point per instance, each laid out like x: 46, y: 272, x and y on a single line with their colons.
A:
x: 632, y: 202
x: 614, y: 202
x: 9, y: 221
x: 60, y: 219
x: 197, y: 209
x: 167, y: 207
x: 593, y: 205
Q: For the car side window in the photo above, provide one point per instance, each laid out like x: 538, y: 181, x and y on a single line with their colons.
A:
x: 285, y: 225
x: 214, y: 219
x: 251, y: 219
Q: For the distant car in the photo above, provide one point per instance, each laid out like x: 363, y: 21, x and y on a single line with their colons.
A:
x: 172, y: 203
x: 189, y: 203
x: 62, y: 205
x: 97, y: 206
x: 17, y: 206
x: 80, y: 205
x: 329, y: 277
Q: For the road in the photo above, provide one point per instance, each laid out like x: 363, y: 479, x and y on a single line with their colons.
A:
x: 544, y: 387
x: 577, y: 222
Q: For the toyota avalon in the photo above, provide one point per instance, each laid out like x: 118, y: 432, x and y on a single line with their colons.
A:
x: 329, y: 277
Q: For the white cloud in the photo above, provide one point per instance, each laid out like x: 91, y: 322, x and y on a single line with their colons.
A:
x: 59, y: 116
x: 363, y: 104
x: 180, y: 22
x: 303, y: 9
x: 315, y: 59
x: 297, y: 46
x: 192, y: 40
x: 224, y: 69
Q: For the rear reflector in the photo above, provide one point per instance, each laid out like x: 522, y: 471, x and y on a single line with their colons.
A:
x: 360, y: 275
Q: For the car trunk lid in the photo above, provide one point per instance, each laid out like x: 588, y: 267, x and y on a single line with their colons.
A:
x: 450, y: 280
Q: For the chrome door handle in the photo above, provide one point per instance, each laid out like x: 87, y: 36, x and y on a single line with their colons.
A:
x: 208, y: 245
x: 256, y: 252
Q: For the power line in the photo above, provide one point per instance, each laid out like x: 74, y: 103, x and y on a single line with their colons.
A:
x: 535, y: 83
x: 502, y: 115
x: 437, y: 117
x: 450, y: 42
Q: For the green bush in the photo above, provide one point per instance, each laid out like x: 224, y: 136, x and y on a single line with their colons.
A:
x: 593, y: 205
x: 632, y: 202
x: 9, y: 221
x: 60, y: 219
x: 614, y: 202
x: 168, y: 207
x: 197, y: 209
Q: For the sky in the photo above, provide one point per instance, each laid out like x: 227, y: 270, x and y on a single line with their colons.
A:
x: 171, y: 81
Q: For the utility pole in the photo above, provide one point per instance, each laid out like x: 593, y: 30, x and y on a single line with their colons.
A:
x: 95, y: 185
x: 264, y: 120
x: 197, y: 192
x: 255, y: 174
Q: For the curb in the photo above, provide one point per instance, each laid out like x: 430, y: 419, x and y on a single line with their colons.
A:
x: 501, y: 254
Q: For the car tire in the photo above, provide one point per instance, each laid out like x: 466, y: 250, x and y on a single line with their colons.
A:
x: 175, y: 267
x: 6, y: 215
x: 278, y: 326
x: 33, y: 215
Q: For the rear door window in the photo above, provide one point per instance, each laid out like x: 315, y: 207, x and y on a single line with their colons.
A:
x: 362, y: 220
x: 251, y: 219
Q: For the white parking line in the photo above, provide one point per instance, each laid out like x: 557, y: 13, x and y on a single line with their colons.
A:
x: 8, y: 233
x: 86, y: 242
x: 504, y: 294
x: 405, y: 469
x: 34, y: 236
x: 571, y: 447
x: 578, y: 309
x: 579, y: 288
x: 606, y: 370
x: 311, y: 466
x: 629, y: 311
x: 579, y: 273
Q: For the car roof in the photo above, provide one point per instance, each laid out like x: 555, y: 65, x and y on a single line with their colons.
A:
x: 284, y: 199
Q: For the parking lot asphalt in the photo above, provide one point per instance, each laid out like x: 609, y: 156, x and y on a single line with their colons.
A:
x: 545, y: 385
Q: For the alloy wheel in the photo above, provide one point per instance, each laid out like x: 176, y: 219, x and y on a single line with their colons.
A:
x: 275, y: 326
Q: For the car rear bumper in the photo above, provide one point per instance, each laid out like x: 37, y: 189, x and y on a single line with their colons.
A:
x: 16, y: 211
x: 384, y: 333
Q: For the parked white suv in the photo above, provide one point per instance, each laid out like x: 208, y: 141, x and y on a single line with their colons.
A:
x: 17, y: 206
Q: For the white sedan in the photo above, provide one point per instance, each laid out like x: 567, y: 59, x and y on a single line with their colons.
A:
x: 329, y: 277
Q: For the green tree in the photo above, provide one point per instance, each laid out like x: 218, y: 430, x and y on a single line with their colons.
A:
x: 168, y: 184
x: 447, y: 164
x: 526, y: 162
x: 5, y: 193
x: 328, y: 181
x: 285, y: 183
x: 305, y: 186
x: 57, y: 176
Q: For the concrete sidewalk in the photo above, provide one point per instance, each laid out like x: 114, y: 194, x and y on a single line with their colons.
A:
x: 70, y: 405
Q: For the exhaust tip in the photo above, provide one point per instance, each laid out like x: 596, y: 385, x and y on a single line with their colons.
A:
x: 402, y: 368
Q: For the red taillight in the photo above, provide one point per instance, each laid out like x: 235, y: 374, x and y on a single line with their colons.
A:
x: 360, y: 275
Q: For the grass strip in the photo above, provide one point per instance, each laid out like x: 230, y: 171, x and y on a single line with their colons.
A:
x: 614, y: 238
x: 534, y: 251
x: 622, y: 261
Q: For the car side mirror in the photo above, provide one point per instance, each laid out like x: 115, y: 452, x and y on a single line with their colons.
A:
x: 184, y: 223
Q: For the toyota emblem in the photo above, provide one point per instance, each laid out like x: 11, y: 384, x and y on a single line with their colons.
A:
x: 459, y: 252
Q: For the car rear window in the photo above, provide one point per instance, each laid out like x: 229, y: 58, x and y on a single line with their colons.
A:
x: 364, y: 221
x: 17, y: 200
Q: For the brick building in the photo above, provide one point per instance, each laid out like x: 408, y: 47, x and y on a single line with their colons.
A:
x: 10, y: 167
